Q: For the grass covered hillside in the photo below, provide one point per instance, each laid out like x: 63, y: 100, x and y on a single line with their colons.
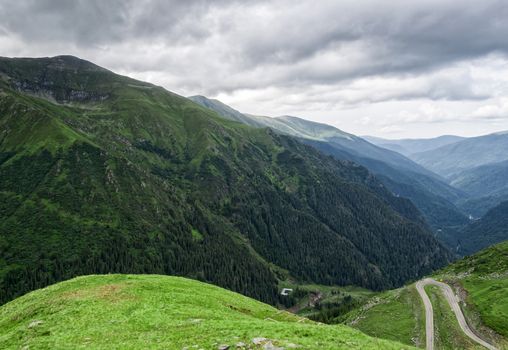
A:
x: 483, y: 277
x: 397, y: 315
x: 161, y: 312
x: 479, y: 280
x: 100, y: 173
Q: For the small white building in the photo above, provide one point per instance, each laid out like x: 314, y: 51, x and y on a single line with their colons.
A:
x: 286, y: 291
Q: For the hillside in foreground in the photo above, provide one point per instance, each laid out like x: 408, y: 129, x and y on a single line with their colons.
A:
x: 161, y: 312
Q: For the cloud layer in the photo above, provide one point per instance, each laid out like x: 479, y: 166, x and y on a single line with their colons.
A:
x: 364, y: 66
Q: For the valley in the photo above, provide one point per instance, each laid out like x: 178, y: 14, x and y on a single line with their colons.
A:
x: 121, y: 176
x: 253, y: 175
x: 124, y: 182
x: 449, y: 205
x: 433, y: 197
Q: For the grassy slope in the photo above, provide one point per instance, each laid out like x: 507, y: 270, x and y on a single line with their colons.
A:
x: 151, y: 311
x: 396, y: 315
x: 481, y: 280
x: 484, y: 278
x: 29, y: 125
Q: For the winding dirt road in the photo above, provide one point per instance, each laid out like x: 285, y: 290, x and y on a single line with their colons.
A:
x: 453, y: 301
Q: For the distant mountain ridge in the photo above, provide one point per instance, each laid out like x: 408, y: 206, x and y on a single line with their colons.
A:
x: 289, y: 125
x: 476, y: 166
x: 490, y: 229
x: 401, y: 175
x: 452, y: 159
x: 409, y: 147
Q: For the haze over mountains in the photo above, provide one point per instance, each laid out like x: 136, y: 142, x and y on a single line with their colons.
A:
x: 477, y: 166
x: 409, y: 147
x: 457, y: 157
x: 477, y: 185
x: 401, y: 175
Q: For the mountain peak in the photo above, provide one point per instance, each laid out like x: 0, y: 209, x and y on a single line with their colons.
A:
x: 59, y: 79
x: 70, y: 61
x: 61, y: 62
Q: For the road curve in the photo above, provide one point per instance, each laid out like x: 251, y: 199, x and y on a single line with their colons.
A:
x: 453, y: 301
x: 429, y: 315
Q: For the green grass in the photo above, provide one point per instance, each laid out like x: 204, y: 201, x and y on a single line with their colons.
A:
x: 152, y: 311
x: 32, y: 125
x: 484, y: 277
x: 481, y: 280
x: 396, y: 315
x: 490, y: 298
x: 493, y: 260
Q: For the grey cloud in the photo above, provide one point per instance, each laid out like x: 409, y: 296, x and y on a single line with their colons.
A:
x: 79, y: 22
x: 406, y: 36
x: 86, y: 22
x: 210, y: 47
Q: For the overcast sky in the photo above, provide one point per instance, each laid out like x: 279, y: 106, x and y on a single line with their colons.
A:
x: 385, y: 68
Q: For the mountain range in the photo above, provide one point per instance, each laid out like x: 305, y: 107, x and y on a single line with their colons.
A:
x: 478, y: 167
x: 409, y: 147
x: 100, y: 173
x: 109, y: 176
x: 430, y: 193
x: 464, y: 155
x: 445, y: 202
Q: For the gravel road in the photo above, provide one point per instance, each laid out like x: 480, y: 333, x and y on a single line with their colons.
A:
x: 453, y: 301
